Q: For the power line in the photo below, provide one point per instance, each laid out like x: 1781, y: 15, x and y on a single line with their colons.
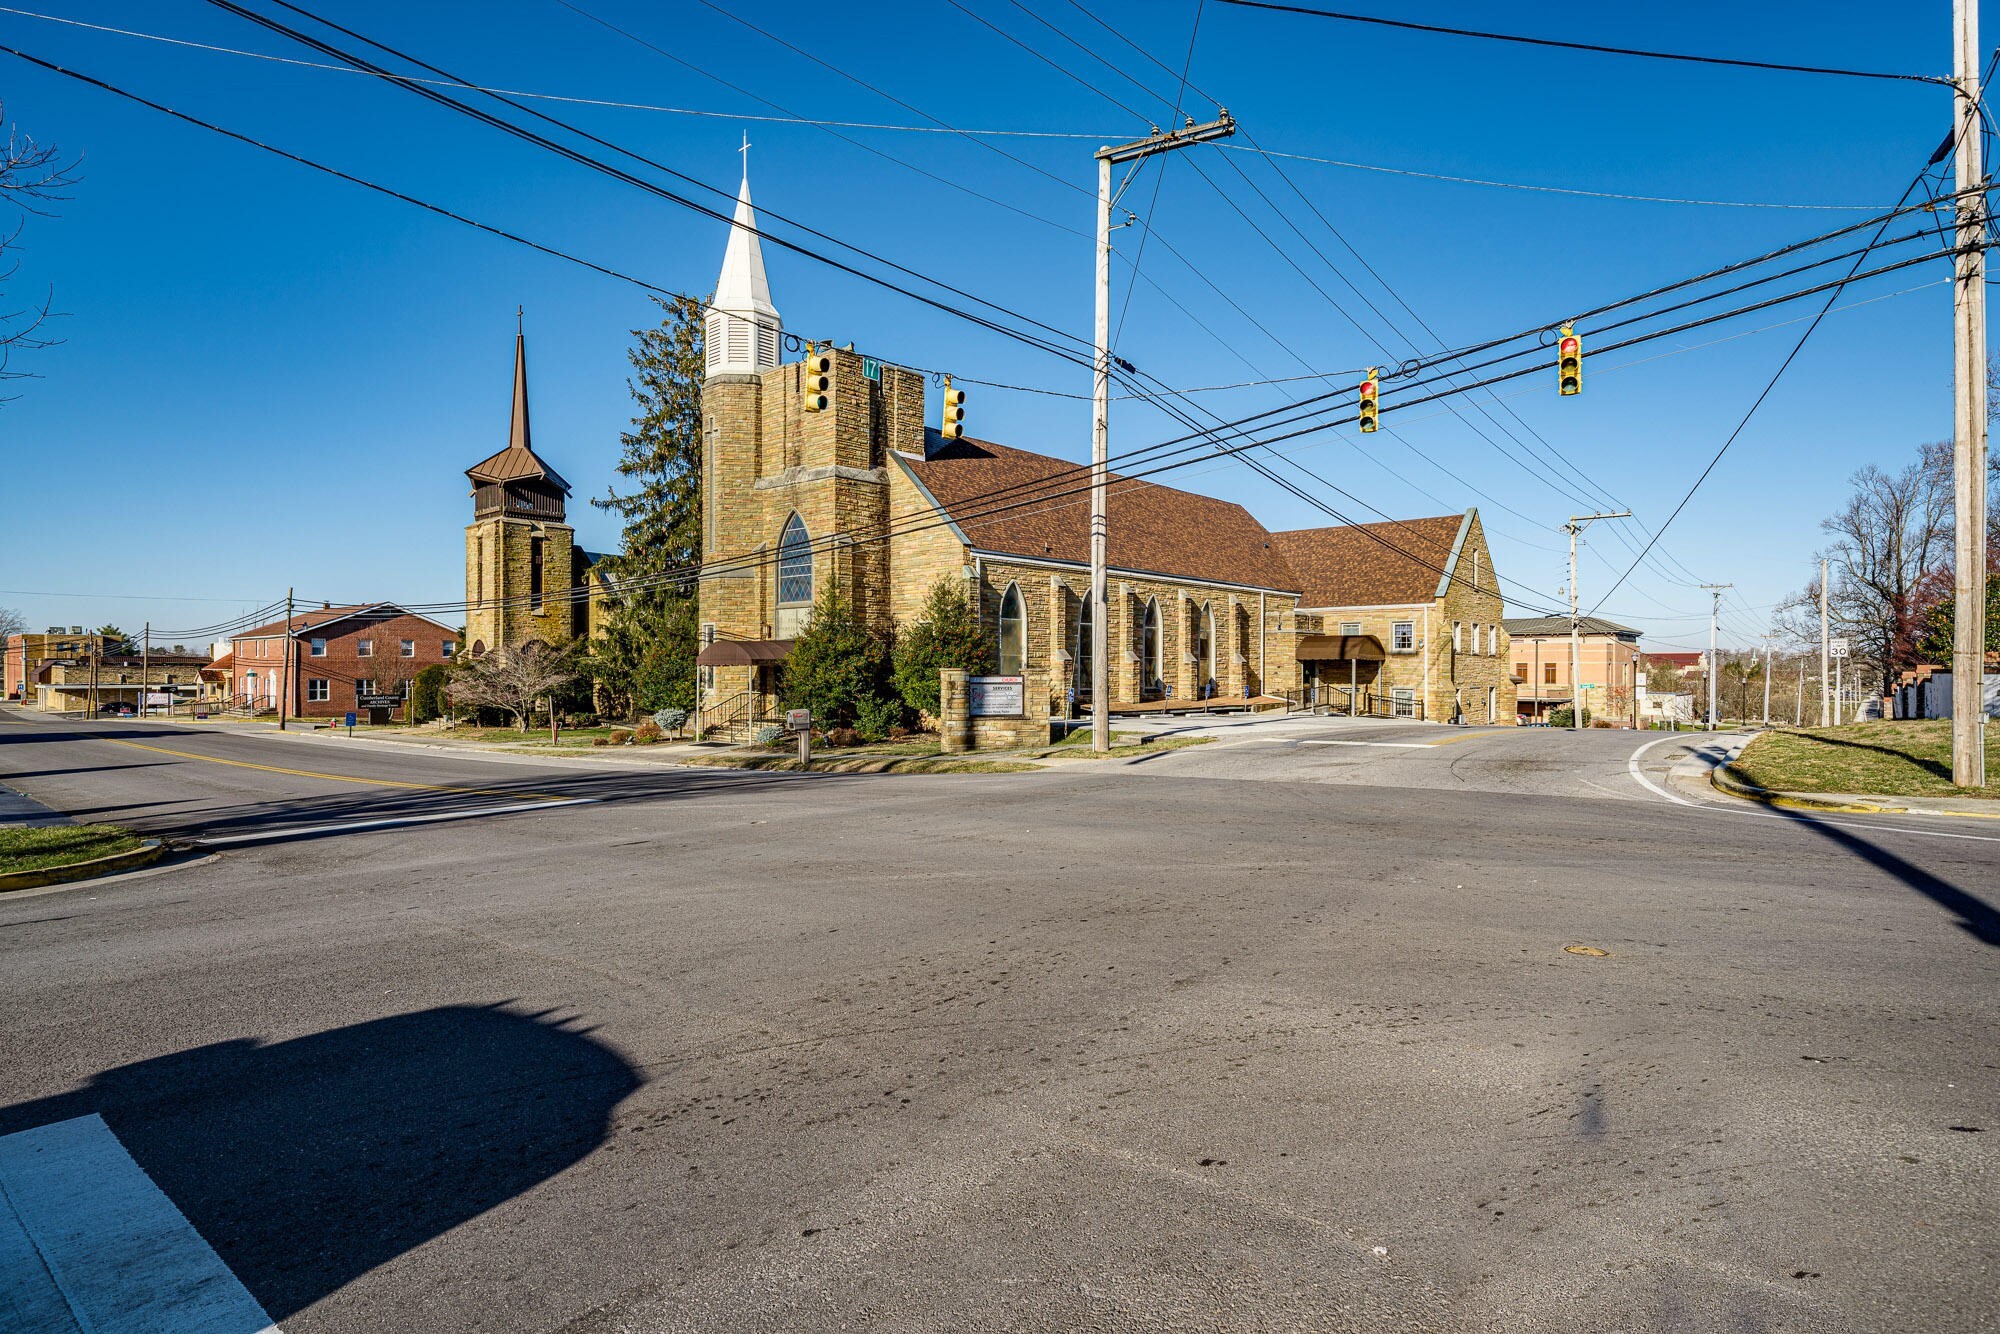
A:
x: 1586, y: 46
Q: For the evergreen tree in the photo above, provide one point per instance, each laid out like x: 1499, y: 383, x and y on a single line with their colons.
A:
x: 645, y: 659
x: 836, y: 665
x: 1938, y: 629
x: 946, y: 634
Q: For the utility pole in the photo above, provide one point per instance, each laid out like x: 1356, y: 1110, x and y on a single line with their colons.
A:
x: 145, y: 664
x: 1825, y: 702
x: 1767, y: 680
x: 285, y: 690
x: 1799, y: 704
x: 1573, y: 527
x: 1715, y: 591
x: 1100, y: 429
x: 1968, y: 649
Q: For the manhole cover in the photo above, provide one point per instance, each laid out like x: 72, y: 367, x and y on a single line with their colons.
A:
x: 1590, y: 950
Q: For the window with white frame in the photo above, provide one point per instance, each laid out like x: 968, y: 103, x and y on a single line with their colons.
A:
x: 1403, y: 702
x: 365, y: 686
x: 364, y: 648
x: 1350, y: 627
x: 317, y: 648
x: 1403, y: 636
x: 450, y: 647
x: 409, y: 648
x: 317, y: 690
x: 1458, y: 636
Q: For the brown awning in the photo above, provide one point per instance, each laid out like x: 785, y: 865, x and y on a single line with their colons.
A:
x: 743, y: 652
x: 1340, y: 648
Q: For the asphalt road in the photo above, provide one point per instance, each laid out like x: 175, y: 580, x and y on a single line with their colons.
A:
x: 1252, y: 1036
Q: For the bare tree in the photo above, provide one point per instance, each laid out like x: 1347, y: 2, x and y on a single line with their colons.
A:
x: 518, y: 680
x: 32, y: 177
x: 1892, y: 544
x: 11, y: 623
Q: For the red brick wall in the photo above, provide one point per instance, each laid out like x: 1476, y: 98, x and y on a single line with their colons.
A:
x: 342, y: 666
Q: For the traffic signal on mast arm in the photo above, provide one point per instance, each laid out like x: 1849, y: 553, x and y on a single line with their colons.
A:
x: 1370, y: 407
x: 951, y: 421
x: 1569, y: 362
x: 818, y: 386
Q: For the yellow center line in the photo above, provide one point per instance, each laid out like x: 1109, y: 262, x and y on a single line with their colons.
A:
x: 335, y: 778
x: 1469, y: 736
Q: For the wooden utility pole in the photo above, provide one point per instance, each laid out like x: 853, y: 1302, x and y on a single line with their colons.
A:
x: 1715, y: 591
x: 285, y: 680
x: 1968, y: 649
x: 1825, y: 701
x: 1100, y: 427
x: 145, y: 665
x: 1573, y: 527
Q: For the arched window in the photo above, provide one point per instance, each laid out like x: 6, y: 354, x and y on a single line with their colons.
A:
x: 1085, y: 646
x: 1013, y: 632
x: 1204, y: 644
x: 795, y: 565
x: 1149, y: 648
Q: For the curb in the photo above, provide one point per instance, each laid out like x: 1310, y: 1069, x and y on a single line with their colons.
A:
x: 1724, y: 781
x: 144, y: 855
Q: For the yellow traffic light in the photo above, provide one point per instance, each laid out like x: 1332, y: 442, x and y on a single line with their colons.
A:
x: 1370, y: 405
x: 818, y: 386
x: 1569, y: 363
x: 951, y: 421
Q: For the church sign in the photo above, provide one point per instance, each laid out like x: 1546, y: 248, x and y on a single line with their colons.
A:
x: 996, y: 697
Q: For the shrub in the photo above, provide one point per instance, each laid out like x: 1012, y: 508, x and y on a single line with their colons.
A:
x: 427, y: 694
x: 647, y: 733
x: 1563, y: 717
x: 670, y: 720
x: 835, y: 665
x: 946, y: 634
x: 877, y: 716
x: 843, y: 736
x: 899, y: 733
x: 620, y: 735
x: 770, y: 734
x: 600, y: 741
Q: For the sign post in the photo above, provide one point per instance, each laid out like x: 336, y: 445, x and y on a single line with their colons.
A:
x: 800, y: 721
x: 350, y: 722
x: 1837, y: 650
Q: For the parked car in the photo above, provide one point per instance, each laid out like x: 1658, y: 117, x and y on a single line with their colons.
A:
x: 118, y: 710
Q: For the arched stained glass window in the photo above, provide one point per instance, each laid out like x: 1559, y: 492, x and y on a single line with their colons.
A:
x: 1085, y: 646
x: 1204, y: 643
x: 1149, y: 646
x: 795, y: 565
x: 1013, y: 632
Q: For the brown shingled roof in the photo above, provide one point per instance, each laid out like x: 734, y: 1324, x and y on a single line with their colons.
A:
x: 1154, y: 529
x: 1364, y: 565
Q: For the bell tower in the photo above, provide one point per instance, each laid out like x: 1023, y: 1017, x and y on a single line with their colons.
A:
x: 519, y: 551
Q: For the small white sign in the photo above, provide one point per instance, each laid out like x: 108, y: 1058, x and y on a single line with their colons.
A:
x: 996, y: 697
x: 1837, y: 648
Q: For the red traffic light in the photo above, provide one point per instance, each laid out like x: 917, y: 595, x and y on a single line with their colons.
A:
x: 1570, y: 346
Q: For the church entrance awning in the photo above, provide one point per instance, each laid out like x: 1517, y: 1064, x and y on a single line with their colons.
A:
x: 1340, y: 648
x: 744, y: 652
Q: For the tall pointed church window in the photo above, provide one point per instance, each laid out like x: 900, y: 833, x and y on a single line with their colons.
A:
x: 1013, y: 632
x: 795, y: 564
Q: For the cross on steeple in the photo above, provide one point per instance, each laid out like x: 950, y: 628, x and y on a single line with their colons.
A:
x: 745, y: 151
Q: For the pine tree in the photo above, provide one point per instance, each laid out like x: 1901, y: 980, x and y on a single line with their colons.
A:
x: 645, y: 659
x: 946, y: 634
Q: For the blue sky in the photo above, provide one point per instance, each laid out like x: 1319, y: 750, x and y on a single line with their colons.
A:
x: 273, y: 378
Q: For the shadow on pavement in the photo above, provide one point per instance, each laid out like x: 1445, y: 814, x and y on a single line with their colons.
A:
x: 1975, y: 916
x: 309, y: 1162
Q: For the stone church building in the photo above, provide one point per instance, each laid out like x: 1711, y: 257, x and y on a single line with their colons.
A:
x: 1400, y: 618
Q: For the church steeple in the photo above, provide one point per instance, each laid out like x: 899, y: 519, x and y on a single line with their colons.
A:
x: 516, y: 481
x: 742, y: 328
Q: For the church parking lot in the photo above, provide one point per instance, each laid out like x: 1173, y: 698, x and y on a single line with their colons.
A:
x: 1266, y: 1033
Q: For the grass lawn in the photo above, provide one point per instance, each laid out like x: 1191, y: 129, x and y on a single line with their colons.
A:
x: 580, y: 738
x: 1902, y: 758
x: 61, y: 845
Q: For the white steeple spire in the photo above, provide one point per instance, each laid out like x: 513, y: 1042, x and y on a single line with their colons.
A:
x: 742, y: 328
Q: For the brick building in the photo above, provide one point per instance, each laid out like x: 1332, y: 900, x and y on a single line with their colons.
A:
x: 24, y: 654
x: 1611, y: 665
x: 135, y: 682
x: 338, y: 655
x: 1398, y: 618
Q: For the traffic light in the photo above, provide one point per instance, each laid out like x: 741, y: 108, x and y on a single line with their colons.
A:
x: 1370, y: 407
x: 951, y: 421
x: 1569, y: 363
x: 818, y: 381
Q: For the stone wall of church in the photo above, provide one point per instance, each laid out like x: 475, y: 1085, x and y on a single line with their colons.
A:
x: 1245, y: 662
x: 499, y: 577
